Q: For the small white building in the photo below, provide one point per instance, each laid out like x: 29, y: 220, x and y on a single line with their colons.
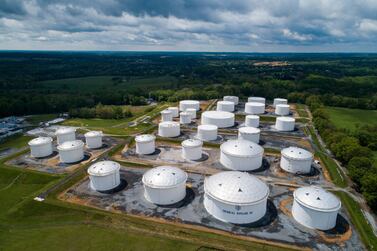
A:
x: 104, y: 175
x: 254, y: 108
x: 145, y: 144
x: 315, y: 208
x: 296, y: 160
x: 192, y: 149
x: 207, y: 132
x: 252, y: 120
x: 93, y: 139
x: 241, y: 155
x: 40, y: 147
x: 164, y: 185
x: 235, y: 197
x: 257, y: 100
x: 282, y: 109
x: 185, y: 104
x: 64, y: 134
x: 174, y: 111
x: 166, y: 115
x: 218, y: 118
x: 71, y: 151
x: 169, y: 129
x: 249, y: 133
x: 286, y: 124
x: 233, y: 99
x: 278, y: 101
x: 185, y: 118
x: 226, y: 106
x: 192, y: 113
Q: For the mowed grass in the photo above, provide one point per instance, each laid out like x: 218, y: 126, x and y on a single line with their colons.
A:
x: 16, y: 141
x: 349, y: 118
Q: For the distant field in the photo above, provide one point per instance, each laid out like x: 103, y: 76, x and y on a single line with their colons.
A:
x: 348, y: 118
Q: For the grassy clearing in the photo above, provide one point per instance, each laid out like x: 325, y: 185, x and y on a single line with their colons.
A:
x: 300, y: 108
x: 38, y: 118
x: 336, y: 175
x: 349, y: 118
x: 16, y: 141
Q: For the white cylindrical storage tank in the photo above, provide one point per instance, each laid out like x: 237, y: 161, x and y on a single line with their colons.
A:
x: 257, y: 100
x: 315, y: 207
x: 104, y: 175
x: 40, y: 147
x: 169, y: 129
x: 93, y: 139
x: 174, y: 111
x: 207, y: 132
x: 241, y: 155
x: 192, y: 149
x: 145, y: 144
x: 166, y: 115
x: 65, y: 134
x: 252, y: 120
x: 164, y: 185
x: 233, y: 99
x: 296, y: 160
x: 282, y: 109
x: 71, y: 151
x: 278, y: 101
x: 185, y: 118
x: 235, y: 197
x: 226, y: 106
x: 249, y: 133
x: 218, y: 118
x: 254, y: 108
x: 185, y: 104
x: 285, y: 124
x: 192, y: 113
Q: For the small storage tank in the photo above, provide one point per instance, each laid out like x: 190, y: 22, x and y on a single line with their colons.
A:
x: 93, y: 139
x: 104, y: 175
x: 233, y: 99
x: 252, y: 120
x: 282, y: 109
x: 192, y: 149
x: 296, y: 160
x: 174, y: 111
x: 285, y: 124
x: 257, y: 100
x: 185, y: 118
x: 166, y: 115
x: 40, y: 147
x: 254, y: 108
x: 218, y: 118
x: 71, y: 151
x: 241, y: 155
x: 315, y: 207
x: 185, y: 104
x: 235, y: 197
x: 278, y: 101
x: 64, y: 134
x: 249, y: 133
x: 145, y: 144
x: 164, y: 185
x: 207, y: 132
x: 169, y: 129
x: 192, y: 113
x: 226, y: 106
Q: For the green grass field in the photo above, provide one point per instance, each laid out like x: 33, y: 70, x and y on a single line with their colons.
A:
x: 36, y: 119
x: 348, y: 118
x: 16, y: 141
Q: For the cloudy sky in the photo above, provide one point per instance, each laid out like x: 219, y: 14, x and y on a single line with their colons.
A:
x: 190, y: 25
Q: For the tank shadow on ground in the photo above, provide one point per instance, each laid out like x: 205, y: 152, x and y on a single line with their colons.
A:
x: 267, y: 219
x: 314, y: 171
x: 53, y: 154
x: 203, y: 158
x: 265, y: 165
x: 123, y: 184
x: 190, y: 196
x: 341, y: 226
x: 104, y: 146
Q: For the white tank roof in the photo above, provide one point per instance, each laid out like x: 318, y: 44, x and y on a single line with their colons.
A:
x: 252, y: 116
x: 280, y: 99
x: 192, y: 143
x: 225, y: 102
x: 283, y: 105
x: 317, y: 198
x: 145, y: 138
x: 255, y: 104
x: 233, y: 187
x: 172, y: 108
x: 241, y: 148
x: 103, y: 168
x: 184, y: 114
x: 208, y: 127
x: 258, y: 98
x: 218, y: 114
x: 296, y: 153
x: 164, y: 177
x: 40, y: 141
x: 169, y: 124
x: 249, y: 130
x: 93, y: 134
x: 71, y: 145
x: 189, y: 102
x: 286, y: 119
x: 166, y: 111
x: 65, y: 130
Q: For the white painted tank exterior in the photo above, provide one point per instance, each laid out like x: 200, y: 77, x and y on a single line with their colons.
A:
x: 71, y: 151
x: 252, y: 120
x: 226, y: 106
x: 166, y: 115
x: 93, y: 139
x: 192, y: 149
x: 145, y: 144
x: 169, y: 129
x: 164, y: 185
x: 315, y: 207
x: 233, y: 99
x: 235, y: 197
x: 257, y: 100
x: 241, y: 155
x: 174, y: 111
x: 254, y: 108
x: 104, y: 175
x: 207, y: 132
x: 249, y: 133
x: 282, y: 109
x: 185, y: 118
x: 296, y: 160
x: 64, y: 134
x: 40, y: 147
x: 218, y: 118
x: 192, y: 113
x: 185, y: 104
x: 285, y: 124
x: 278, y: 101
